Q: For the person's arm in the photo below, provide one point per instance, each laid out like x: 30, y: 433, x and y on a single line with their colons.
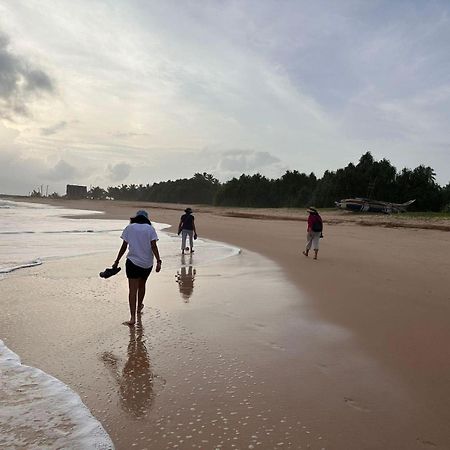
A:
x: 180, y: 226
x: 122, y: 250
x: 193, y: 228
x: 156, y: 253
x: 310, y: 222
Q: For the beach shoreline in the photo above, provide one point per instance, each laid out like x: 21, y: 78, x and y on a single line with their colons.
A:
x: 384, y: 286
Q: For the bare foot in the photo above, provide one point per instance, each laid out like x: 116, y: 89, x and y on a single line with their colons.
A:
x: 306, y: 254
x: 130, y: 323
x: 192, y: 251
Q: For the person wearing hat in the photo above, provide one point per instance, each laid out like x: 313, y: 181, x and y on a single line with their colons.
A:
x: 314, y: 232
x: 140, y: 238
x: 187, y: 228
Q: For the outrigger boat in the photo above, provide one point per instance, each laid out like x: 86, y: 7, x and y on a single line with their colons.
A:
x: 366, y: 205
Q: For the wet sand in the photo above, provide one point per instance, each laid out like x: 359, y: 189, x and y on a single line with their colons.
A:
x: 353, y: 354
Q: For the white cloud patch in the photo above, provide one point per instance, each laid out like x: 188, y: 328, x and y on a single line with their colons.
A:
x: 223, y: 164
x: 245, y: 161
x: 118, y: 172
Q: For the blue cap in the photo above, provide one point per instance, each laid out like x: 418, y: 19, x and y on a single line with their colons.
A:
x: 141, y: 212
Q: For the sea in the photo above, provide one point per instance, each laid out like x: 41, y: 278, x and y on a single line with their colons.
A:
x: 33, y: 404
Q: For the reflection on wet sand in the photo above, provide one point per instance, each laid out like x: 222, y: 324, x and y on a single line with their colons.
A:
x: 135, y: 381
x: 185, y: 278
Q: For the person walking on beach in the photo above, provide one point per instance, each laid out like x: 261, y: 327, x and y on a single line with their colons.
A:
x: 187, y: 228
x: 314, y: 232
x: 140, y: 237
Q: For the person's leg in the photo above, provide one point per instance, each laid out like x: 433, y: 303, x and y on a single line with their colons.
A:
x: 141, y: 294
x: 191, y: 240
x: 133, y: 285
x: 316, y: 240
x: 308, y: 244
x: 183, y: 241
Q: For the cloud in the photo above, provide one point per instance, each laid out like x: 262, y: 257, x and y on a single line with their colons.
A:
x: 129, y: 134
x: 19, y: 82
x: 21, y: 171
x: 54, y: 128
x: 223, y: 164
x: 118, y: 172
x: 297, y: 84
x: 62, y: 171
x: 245, y: 161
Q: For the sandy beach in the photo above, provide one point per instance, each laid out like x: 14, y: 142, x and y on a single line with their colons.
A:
x: 265, y: 349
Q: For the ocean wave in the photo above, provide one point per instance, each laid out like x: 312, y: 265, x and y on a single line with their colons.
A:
x: 10, y: 204
x: 61, y: 231
x: 39, y: 411
x: 36, y: 262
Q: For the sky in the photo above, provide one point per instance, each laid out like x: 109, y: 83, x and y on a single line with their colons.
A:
x: 107, y: 92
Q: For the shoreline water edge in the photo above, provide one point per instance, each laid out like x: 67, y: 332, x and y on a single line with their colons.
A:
x: 36, y: 408
x: 234, y: 350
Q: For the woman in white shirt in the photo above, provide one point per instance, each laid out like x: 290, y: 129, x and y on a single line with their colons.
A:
x: 140, y: 237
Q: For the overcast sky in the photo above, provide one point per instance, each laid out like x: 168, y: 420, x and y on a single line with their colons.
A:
x: 138, y: 91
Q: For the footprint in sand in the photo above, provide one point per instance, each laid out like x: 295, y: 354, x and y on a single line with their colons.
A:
x: 427, y: 443
x: 355, y: 405
x: 275, y: 346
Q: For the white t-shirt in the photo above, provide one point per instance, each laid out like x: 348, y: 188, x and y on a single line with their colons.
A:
x: 139, y: 237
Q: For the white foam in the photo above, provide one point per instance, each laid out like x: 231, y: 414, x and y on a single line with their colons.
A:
x: 9, y: 269
x: 34, y: 232
x: 38, y: 411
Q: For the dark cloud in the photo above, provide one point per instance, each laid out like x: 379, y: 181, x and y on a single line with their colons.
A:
x: 54, y: 128
x: 118, y: 172
x: 20, y: 174
x: 19, y: 82
x: 62, y: 171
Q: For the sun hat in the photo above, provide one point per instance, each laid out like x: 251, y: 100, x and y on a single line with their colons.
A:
x: 141, y: 212
x: 312, y: 210
x: 188, y: 210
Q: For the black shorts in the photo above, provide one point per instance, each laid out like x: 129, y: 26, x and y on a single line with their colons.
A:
x: 134, y: 271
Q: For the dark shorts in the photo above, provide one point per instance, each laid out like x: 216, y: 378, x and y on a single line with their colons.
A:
x: 134, y: 271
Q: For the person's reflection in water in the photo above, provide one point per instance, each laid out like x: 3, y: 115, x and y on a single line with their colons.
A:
x: 185, y: 278
x: 136, y: 379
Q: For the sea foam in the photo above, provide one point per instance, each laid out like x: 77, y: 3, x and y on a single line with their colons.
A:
x: 38, y: 411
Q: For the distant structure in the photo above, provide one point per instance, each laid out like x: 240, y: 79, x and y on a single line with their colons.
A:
x: 76, y: 192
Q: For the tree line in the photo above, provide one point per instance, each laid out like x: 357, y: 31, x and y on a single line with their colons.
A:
x: 369, y: 178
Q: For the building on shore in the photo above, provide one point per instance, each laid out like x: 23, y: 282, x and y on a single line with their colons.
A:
x: 76, y: 192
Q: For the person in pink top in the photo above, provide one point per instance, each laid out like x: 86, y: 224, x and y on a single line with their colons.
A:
x: 314, y: 232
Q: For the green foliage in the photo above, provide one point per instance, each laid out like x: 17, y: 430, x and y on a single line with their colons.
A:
x: 368, y: 179
x: 420, y: 184
x: 200, y: 189
x: 97, y: 193
x: 36, y: 193
x: 446, y: 198
x: 248, y: 190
